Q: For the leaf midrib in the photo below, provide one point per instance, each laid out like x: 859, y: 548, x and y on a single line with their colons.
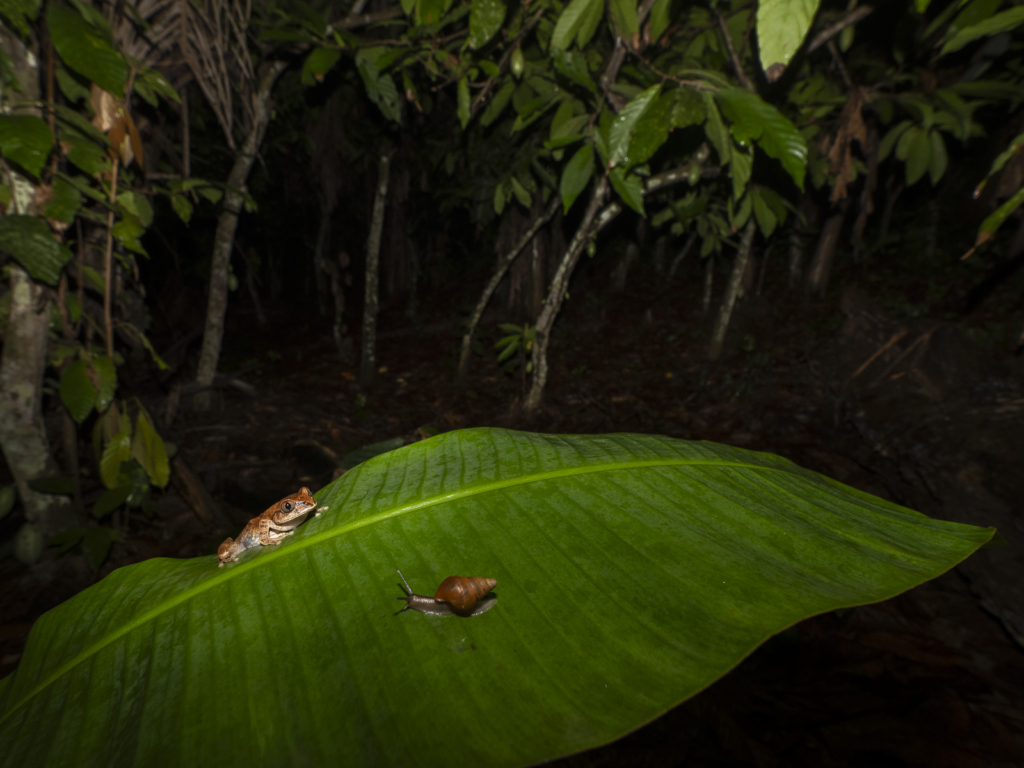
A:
x: 296, y: 546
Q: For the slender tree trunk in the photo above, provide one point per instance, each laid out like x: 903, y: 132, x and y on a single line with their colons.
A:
x: 217, y: 303
x: 485, y: 297
x: 821, y: 264
x: 323, y: 237
x: 556, y: 295
x: 931, y: 233
x: 682, y: 254
x: 22, y: 431
x: 893, y: 189
x: 622, y: 270
x: 796, y: 255
x: 709, y: 283
x: 739, y: 269
x: 368, y: 364
x: 867, y: 195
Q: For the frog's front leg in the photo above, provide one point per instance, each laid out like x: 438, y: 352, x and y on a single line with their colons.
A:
x: 271, y: 534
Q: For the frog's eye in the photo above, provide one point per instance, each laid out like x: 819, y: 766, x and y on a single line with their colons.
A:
x: 287, y: 506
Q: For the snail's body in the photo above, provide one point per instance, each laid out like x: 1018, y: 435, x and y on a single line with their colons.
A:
x: 457, y: 595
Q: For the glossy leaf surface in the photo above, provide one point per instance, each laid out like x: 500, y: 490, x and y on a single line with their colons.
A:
x: 26, y: 140
x: 87, y: 47
x: 781, y: 28
x: 775, y: 134
x: 31, y: 243
x: 485, y: 20
x: 632, y: 571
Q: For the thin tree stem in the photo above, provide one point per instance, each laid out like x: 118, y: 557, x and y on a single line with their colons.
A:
x: 499, y: 273
x: 108, y: 263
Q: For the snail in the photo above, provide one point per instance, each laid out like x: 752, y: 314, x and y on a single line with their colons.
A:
x: 459, y: 595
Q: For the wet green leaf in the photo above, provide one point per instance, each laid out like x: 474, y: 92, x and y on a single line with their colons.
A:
x: 754, y: 119
x: 77, y: 391
x: 1001, y: 22
x: 25, y: 140
x: 118, y: 451
x: 485, y: 20
x: 626, y: 123
x: 148, y: 449
x: 106, y: 381
x: 576, y: 175
x: 30, y: 242
x: 578, y: 21
x: 64, y: 204
x: 86, y: 46
x: 919, y: 153
x: 630, y: 188
x: 781, y: 28
x: 730, y: 547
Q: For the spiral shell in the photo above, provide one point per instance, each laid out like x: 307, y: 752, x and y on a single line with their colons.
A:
x: 464, y: 591
x: 459, y: 595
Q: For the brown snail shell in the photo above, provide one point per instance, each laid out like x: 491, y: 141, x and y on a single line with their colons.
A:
x: 459, y: 595
x: 464, y: 591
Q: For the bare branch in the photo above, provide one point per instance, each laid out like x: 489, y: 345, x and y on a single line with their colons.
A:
x: 744, y: 80
x: 829, y: 32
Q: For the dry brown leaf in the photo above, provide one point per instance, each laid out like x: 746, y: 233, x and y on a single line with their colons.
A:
x: 105, y: 107
x: 851, y: 128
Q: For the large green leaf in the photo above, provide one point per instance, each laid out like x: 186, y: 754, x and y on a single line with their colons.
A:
x: 576, y: 175
x: 20, y: 13
x: 578, y: 21
x: 630, y: 188
x: 65, y: 202
x: 632, y: 571
x: 485, y: 19
x: 31, y: 243
x: 148, y: 449
x: 86, y: 46
x: 781, y: 28
x: 77, y: 390
x: 754, y: 119
x: 627, y: 122
x: 26, y: 140
x: 1001, y: 22
x: 624, y: 14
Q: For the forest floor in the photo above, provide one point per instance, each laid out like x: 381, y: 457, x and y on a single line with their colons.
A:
x: 912, y: 410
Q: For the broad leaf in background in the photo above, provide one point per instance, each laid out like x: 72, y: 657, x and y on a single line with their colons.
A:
x: 25, y: 140
x: 64, y: 202
x: 1001, y: 22
x: 578, y: 21
x: 485, y: 19
x: 627, y: 122
x: 659, y: 18
x: 148, y: 449
x: 632, y: 571
x: 624, y: 14
x: 781, y: 28
x: 106, y: 381
x: 30, y: 242
x: 318, y: 64
x: 86, y: 46
x: 995, y: 219
x: 754, y: 119
x: 117, y: 451
x: 630, y: 188
x: 576, y: 175
x: 379, y: 87
x: 77, y: 390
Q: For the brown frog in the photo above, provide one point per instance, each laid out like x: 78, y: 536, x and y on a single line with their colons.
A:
x: 278, y: 521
